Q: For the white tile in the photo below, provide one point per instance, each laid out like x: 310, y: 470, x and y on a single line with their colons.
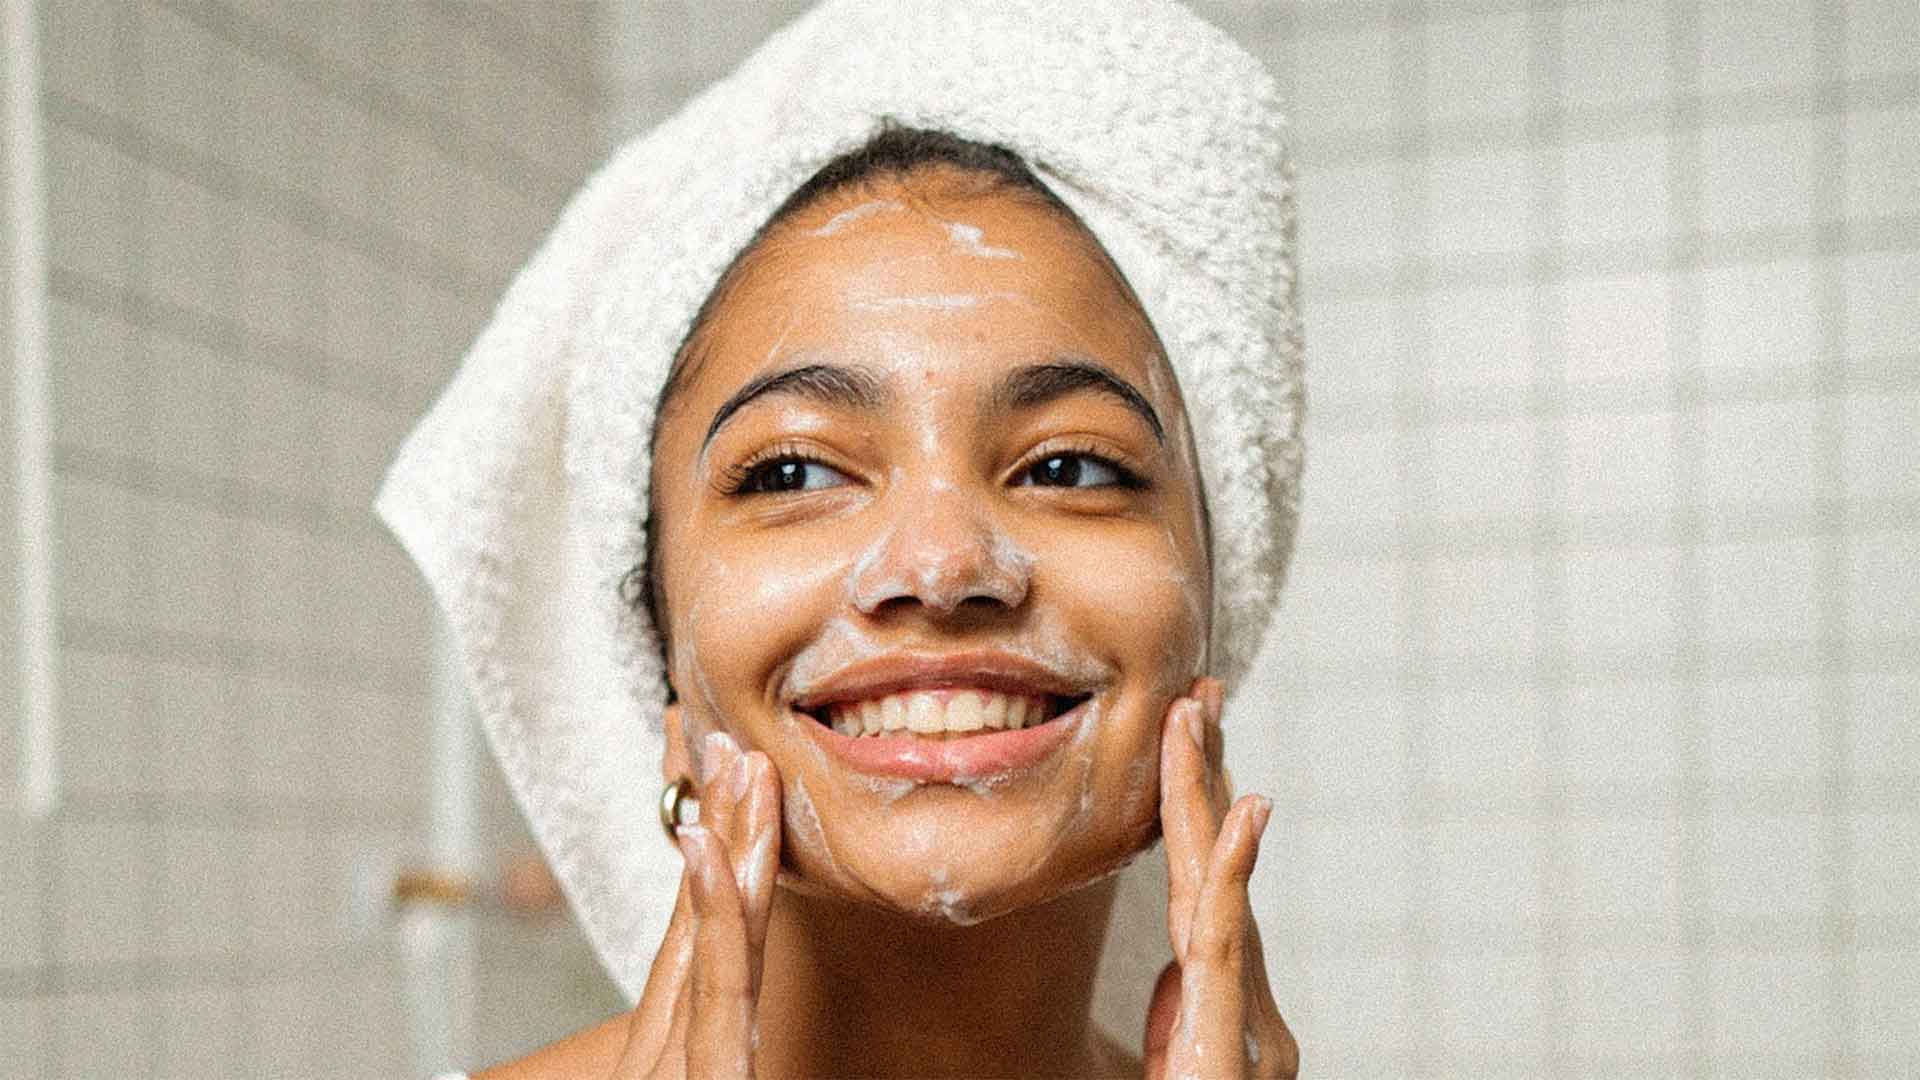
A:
x: 1758, y: 176
x: 192, y: 710
x: 1764, y: 867
x: 1621, y: 870
x: 277, y: 295
x: 283, y: 726
x: 1620, y: 735
x: 1356, y: 476
x: 175, y: 58
x: 1882, y: 445
x: 92, y: 398
x: 1883, y: 592
x: 281, y: 892
x: 1619, y: 601
x: 1757, y: 317
x: 1479, y: 337
x: 1880, y: 37
x: 261, y: 106
x: 1886, y: 866
x: 201, y: 1033
x: 291, y: 1044
x: 1618, y: 462
x: 86, y: 230
x: 1482, y: 469
x: 1888, y: 998
x: 105, y: 745
x: 106, y: 1034
x: 378, y: 751
x: 1759, y: 591
x: 80, y: 54
x: 1883, y: 162
x: 1344, y: 81
x: 277, y: 557
x: 1487, y: 1008
x: 1482, y: 744
x: 1356, y: 361
x: 1756, y: 452
x: 191, y: 405
x: 1482, y: 872
x: 1345, y: 609
x: 182, y: 263
x: 1768, y: 1005
x: 1362, y: 1015
x: 1746, y: 46
x: 1883, y: 308
x: 22, y: 933
x: 1478, y: 203
x: 1614, y: 53
x: 1366, y: 862
x: 1616, y: 191
x: 1476, y: 606
x: 1347, y: 215
x: 1881, y: 708
x: 95, y: 550
x: 1761, y: 730
x: 1616, y: 329
x: 106, y: 873
x: 1604, y: 987
x: 192, y: 555
x: 200, y: 893
x: 276, y: 431
x: 26, y: 1022
x: 1356, y: 743
x: 1477, y: 66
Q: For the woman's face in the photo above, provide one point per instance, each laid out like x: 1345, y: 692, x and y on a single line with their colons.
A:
x: 931, y: 470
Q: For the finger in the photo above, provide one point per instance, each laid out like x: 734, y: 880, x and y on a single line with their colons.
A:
x: 1214, y: 1019
x: 719, y: 1040
x: 718, y: 754
x: 1212, y: 694
x: 761, y: 862
x: 1162, y: 1010
x: 1186, y: 818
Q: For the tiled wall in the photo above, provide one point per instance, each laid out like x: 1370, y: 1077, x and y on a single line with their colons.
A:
x: 273, y: 229
x: 1600, y: 672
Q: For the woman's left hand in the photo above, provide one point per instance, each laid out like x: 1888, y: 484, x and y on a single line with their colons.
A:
x: 1212, y: 1013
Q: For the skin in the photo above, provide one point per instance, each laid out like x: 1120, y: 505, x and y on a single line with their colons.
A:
x: 829, y: 924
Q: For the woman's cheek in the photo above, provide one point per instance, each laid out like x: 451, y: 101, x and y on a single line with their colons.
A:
x: 1140, y: 601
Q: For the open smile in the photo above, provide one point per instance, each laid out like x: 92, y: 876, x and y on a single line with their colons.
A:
x: 950, y: 735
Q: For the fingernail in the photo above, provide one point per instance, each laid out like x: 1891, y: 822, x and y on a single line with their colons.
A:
x: 716, y: 749
x: 1196, y: 722
x: 1262, y: 810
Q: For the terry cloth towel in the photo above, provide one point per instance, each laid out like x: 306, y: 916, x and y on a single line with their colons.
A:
x: 521, y: 493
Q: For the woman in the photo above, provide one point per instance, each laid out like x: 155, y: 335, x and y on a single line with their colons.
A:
x: 928, y: 554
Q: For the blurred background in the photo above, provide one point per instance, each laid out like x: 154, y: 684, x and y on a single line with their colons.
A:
x: 1599, y: 677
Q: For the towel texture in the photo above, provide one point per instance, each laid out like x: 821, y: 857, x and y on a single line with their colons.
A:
x: 521, y: 493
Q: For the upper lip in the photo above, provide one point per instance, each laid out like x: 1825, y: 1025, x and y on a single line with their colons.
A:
x: 891, y: 674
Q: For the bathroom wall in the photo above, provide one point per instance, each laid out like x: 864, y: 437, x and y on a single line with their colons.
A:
x: 1599, y: 676
x: 273, y: 228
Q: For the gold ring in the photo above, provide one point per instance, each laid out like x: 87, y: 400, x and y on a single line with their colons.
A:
x: 673, y: 800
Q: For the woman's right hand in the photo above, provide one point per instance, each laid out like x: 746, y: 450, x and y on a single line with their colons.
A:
x: 696, y: 1015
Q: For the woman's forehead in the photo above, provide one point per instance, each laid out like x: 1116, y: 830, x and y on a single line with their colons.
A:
x: 949, y: 287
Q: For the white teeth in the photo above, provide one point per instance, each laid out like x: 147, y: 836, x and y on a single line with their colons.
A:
x: 929, y: 713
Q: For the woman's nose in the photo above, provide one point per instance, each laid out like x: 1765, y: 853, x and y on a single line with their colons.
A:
x: 943, y: 548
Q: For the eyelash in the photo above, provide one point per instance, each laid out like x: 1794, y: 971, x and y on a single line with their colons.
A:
x: 737, y: 478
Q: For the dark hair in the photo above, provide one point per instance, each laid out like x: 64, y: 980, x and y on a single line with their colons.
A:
x: 893, y: 152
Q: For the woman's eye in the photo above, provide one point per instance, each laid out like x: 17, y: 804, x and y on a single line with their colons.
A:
x: 788, y: 474
x: 1076, y: 470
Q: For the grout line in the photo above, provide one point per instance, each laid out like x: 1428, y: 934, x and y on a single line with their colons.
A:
x: 531, y: 51
x: 228, y: 496
x: 363, y: 90
x: 311, y: 215
x: 1838, y: 914
x: 327, y: 668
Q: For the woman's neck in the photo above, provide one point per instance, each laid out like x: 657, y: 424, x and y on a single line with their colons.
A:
x: 852, y: 990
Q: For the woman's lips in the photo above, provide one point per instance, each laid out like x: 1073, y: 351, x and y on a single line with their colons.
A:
x: 946, y: 759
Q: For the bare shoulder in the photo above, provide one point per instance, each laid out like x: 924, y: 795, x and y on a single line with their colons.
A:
x: 589, y: 1052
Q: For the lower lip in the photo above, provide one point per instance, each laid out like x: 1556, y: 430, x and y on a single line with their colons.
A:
x: 969, y: 759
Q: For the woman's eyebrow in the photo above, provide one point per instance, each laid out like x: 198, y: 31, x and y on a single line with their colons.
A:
x: 858, y: 388
x: 1037, y: 384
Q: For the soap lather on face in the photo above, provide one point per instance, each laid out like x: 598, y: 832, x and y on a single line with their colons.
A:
x: 871, y: 509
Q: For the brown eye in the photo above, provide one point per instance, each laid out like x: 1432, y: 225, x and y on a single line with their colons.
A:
x: 784, y: 474
x: 1077, y: 470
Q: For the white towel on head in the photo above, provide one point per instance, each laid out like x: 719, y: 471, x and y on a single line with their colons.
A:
x: 521, y: 493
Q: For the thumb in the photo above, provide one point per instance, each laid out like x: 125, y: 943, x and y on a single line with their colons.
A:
x: 1162, y: 1011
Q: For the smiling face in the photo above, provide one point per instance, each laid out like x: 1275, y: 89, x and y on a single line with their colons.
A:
x: 929, y: 534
